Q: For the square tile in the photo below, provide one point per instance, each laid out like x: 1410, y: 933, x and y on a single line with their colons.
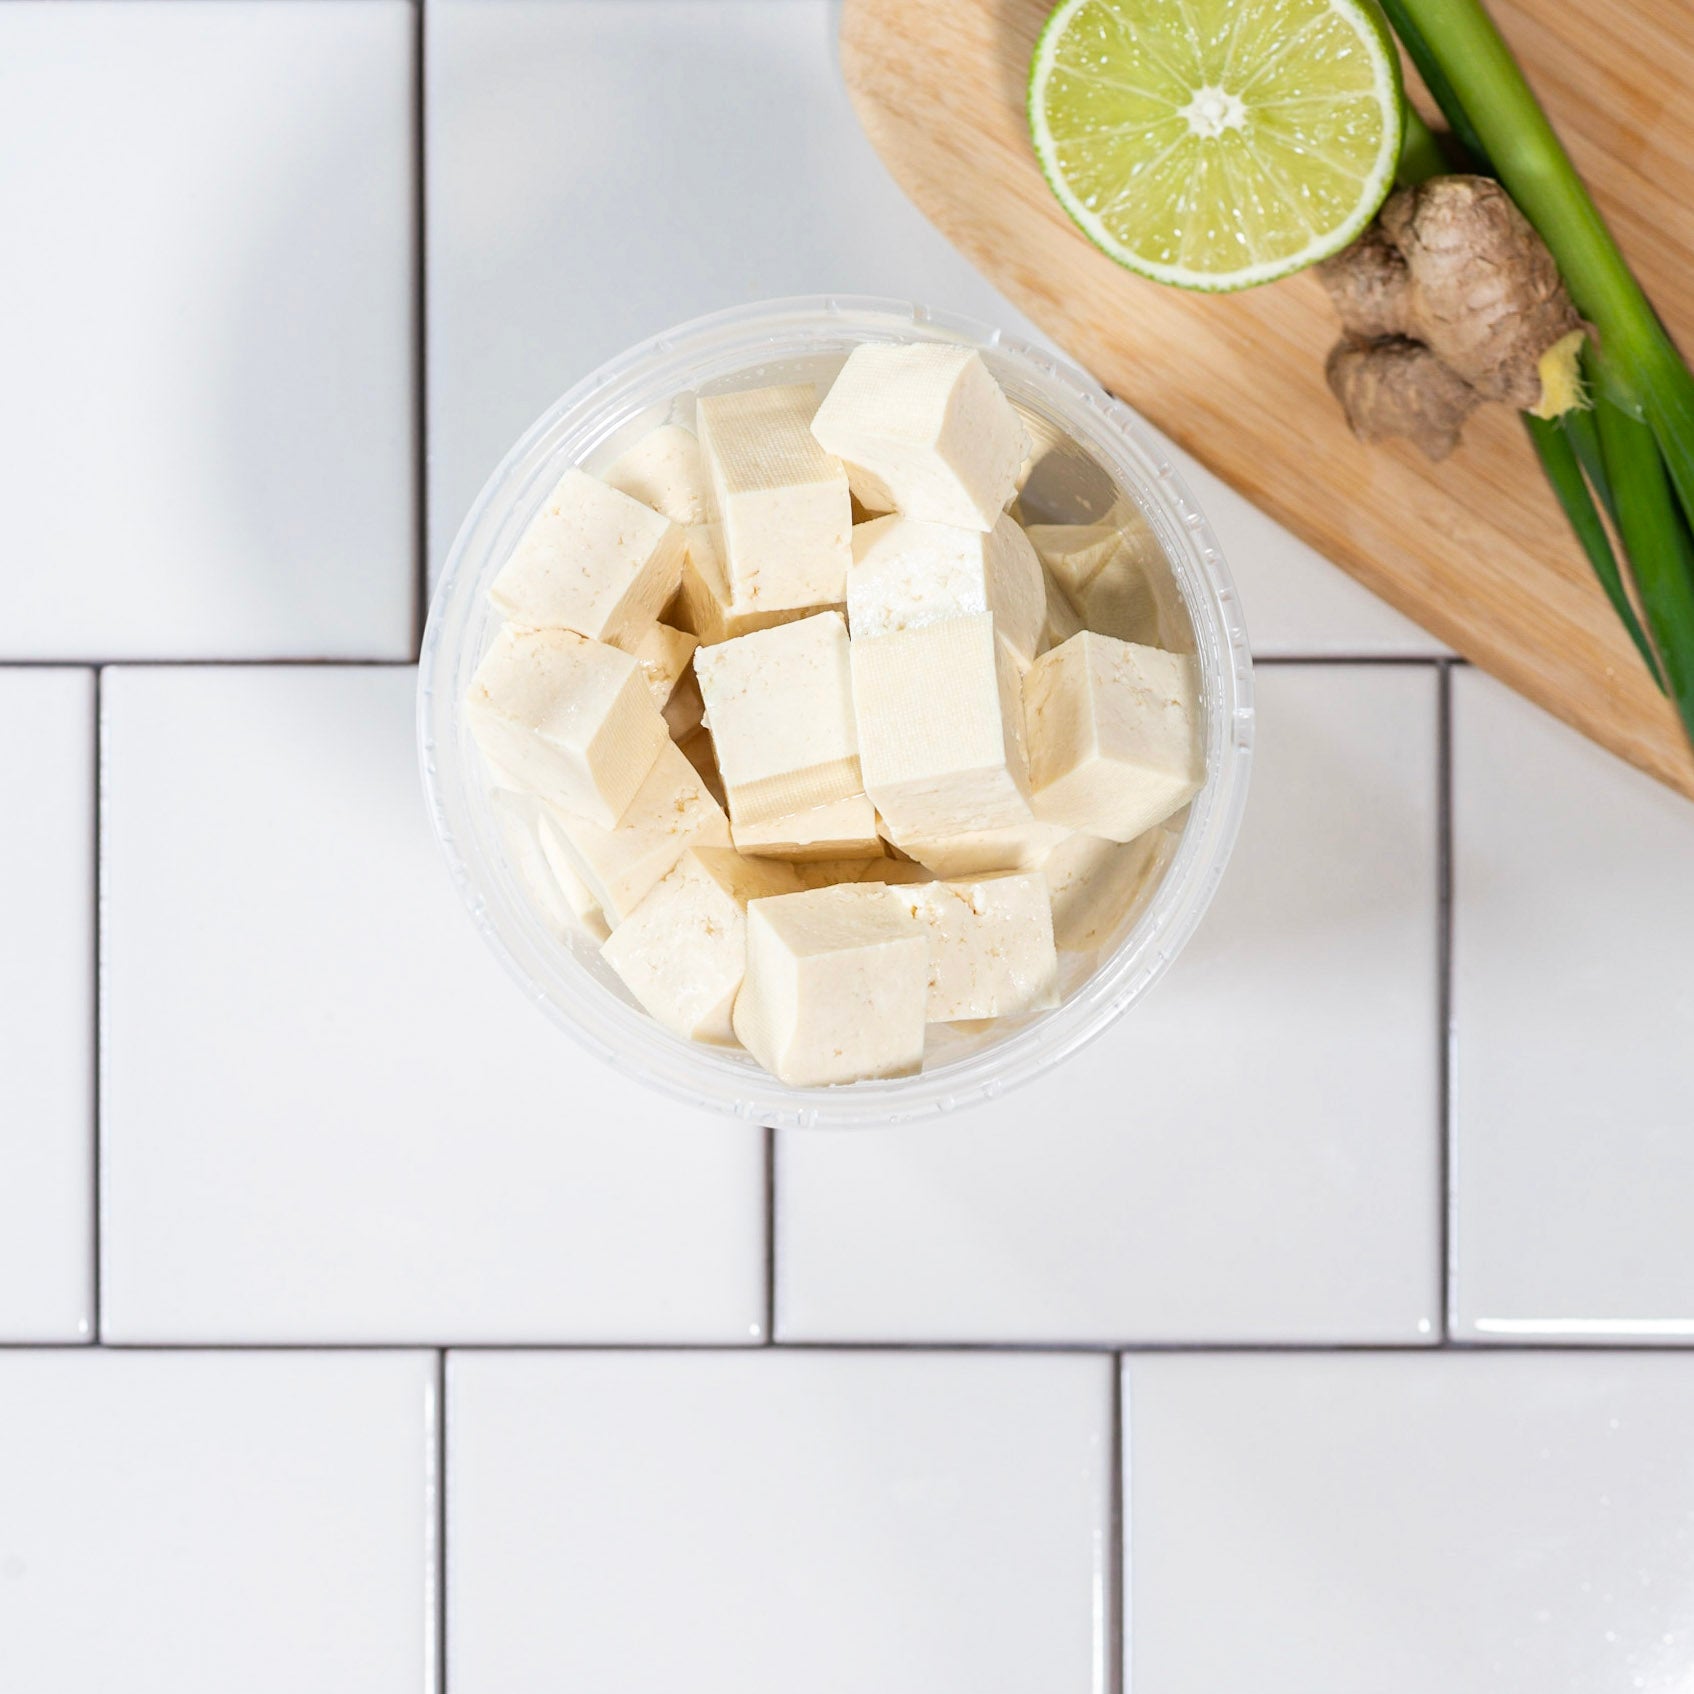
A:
x: 1252, y: 1154
x: 182, y: 1523
x: 1573, y: 998
x: 207, y: 329
x: 47, y: 992
x: 328, y: 1115
x: 1467, y: 1522
x: 762, y: 1522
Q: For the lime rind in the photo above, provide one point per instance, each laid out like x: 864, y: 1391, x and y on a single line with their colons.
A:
x: 1279, y: 158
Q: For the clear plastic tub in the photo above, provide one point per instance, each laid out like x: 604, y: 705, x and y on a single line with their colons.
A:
x: 1093, y: 438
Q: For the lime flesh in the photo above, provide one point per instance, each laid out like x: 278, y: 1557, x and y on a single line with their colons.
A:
x: 1217, y: 143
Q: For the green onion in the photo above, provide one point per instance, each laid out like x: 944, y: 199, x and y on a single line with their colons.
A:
x: 1637, y: 453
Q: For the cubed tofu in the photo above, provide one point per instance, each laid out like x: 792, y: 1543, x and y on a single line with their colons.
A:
x: 1129, y: 595
x: 571, y: 719
x: 1114, y: 735
x: 1097, y: 886
x: 567, y: 906
x: 779, y: 704
x: 837, y: 986
x: 845, y: 829
x: 683, y: 951
x: 663, y: 470
x: 781, y: 499
x: 671, y: 813
x: 1019, y: 847
x: 703, y: 605
x: 1074, y: 553
x: 662, y: 653
x: 990, y: 946
x: 592, y: 560
x: 940, y: 729
x: 924, y: 430
x: 907, y: 573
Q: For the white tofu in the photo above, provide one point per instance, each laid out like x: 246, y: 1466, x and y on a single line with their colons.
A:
x: 779, y: 704
x: 1097, y: 886
x: 671, y: 813
x: 663, y: 470
x: 1074, y: 553
x: 683, y: 951
x: 571, y: 719
x: 703, y: 604
x: 940, y: 729
x: 1114, y: 735
x: 686, y: 709
x: 990, y: 946
x: 845, y: 829
x: 592, y: 560
x: 924, y: 430
x: 662, y: 653
x: 782, y: 501
x: 907, y: 573
x: 1019, y: 847
x: 566, y: 905
x: 837, y: 986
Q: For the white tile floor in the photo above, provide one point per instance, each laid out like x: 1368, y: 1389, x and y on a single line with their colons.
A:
x: 324, y: 1119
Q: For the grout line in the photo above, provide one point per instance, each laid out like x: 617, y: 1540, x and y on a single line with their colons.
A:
x: 1116, y: 1680
x: 420, y: 331
x: 1446, y: 1034
x: 438, y: 1640
x: 97, y: 1060
x: 770, y: 1235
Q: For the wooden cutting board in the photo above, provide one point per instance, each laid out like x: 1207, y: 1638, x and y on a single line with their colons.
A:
x: 1474, y: 549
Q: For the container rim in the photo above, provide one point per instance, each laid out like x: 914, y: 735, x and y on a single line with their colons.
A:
x: 716, y: 348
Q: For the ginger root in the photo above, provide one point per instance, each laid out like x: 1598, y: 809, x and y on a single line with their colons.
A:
x: 1398, y: 387
x: 1454, y: 270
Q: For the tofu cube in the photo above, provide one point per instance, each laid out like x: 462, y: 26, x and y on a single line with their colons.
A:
x: 1097, y: 886
x: 991, y: 949
x: 907, y: 573
x: 664, y: 470
x: 662, y: 653
x: 592, y: 560
x: 703, y: 604
x: 846, y: 829
x: 670, y: 813
x: 565, y: 903
x: 779, y: 704
x: 683, y: 951
x: 837, y: 986
x: 940, y: 729
x: 973, y: 852
x: 571, y: 719
x: 781, y: 499
x: 1114, y: 735
x: 1117, y: 578
x: 924, y: 430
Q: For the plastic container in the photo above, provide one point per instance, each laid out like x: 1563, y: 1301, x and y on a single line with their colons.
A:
x: 794, y: 340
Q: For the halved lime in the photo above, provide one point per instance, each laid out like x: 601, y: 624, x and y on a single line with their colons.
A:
x: 1217, y: 143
